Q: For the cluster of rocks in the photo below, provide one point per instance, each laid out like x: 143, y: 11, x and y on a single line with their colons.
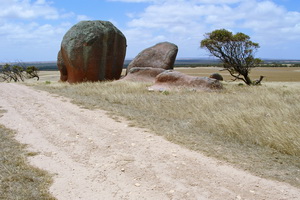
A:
x: 95, y: 51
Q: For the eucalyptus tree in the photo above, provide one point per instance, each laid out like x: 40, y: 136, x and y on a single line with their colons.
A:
x: 236, y: 52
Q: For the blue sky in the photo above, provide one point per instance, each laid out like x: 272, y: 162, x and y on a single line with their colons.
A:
x: 32, y: 30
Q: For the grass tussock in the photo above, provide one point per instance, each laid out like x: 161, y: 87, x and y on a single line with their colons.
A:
x: 19, y: 180
x: 255, y: 128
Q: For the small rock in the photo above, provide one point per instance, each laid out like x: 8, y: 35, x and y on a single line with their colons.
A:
x: 216, y: 76
x: 137, y: 185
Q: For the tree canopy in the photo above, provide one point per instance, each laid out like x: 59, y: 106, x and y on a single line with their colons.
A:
x: 236, y: 52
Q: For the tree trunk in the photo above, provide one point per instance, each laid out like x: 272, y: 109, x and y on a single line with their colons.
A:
x: 257, y: 82
x: 247, y: 79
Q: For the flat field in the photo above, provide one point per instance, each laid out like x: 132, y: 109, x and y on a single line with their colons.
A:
x: 272, y: 74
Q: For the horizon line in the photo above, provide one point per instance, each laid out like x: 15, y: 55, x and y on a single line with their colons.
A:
x: 182, y: 58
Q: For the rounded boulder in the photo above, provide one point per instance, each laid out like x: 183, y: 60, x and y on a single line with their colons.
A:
x: 92, y: 51
x: 161, y: 55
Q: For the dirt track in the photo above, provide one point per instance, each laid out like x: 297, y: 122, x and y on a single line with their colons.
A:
x: 95, y: 157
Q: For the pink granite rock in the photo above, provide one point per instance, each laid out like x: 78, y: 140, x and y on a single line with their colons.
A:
x: 92, y: 51
x: 161, y: 55
x: 143, y: 74
x: 175, y: 80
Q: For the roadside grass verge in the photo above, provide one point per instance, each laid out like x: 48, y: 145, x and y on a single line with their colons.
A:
x: 254, y: 128
x: 19, y: 180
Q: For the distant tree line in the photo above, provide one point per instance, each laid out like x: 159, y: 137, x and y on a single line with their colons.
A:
x: 220, y: 65
x: 18, y: 73
x: 279, y: 65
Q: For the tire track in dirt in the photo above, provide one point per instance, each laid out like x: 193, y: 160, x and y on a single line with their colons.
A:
x: 95, y: 157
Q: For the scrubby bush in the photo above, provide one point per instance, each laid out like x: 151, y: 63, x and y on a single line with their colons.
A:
x: 18, y: 73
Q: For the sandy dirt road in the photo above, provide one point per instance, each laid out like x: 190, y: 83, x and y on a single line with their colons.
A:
x: 94, y: 157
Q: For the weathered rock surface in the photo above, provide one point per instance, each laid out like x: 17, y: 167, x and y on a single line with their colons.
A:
x: 92, y: 51
x: 161, y: 55
x: 62, y: 67
x: 143, y: 74
x: 171, y: 80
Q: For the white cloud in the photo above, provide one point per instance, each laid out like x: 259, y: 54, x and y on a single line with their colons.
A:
x: 37, y: 24
x: 31, y: 33
x: 135, y: 1
x: 25, y: 21
x: 83, y: 18
x: 30, y: 41
x: 178, y: 1
x: 28, y: 31
x: 185, y: 21
x: 270, y: 23
x: 25, y: 9
x: 33, y: 29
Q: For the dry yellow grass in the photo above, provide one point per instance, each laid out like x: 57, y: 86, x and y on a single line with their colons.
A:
x: 18, y: 179
x: 255, y: 128
x: 265, y: 115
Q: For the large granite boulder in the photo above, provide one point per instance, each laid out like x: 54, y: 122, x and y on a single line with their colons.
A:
x: 161, y: 55
x: 143, y: 74
x: 62, y: 67
x: 92, y: 51
x: 169, y: 80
